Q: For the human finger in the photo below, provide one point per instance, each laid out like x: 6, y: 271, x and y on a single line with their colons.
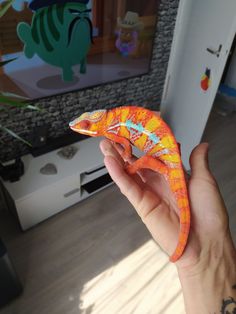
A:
x: 120, y: 150
x: 107, y: 149
x: 127, y: 184
x: 162, y: 222
x: 199, y: 163
x: 144, y: 174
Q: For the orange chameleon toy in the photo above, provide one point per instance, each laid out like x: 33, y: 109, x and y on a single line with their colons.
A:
x: 148, y: 132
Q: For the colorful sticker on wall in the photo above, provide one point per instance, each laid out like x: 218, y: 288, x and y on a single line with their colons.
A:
x: 127, y: 39
x: 206, y: 80
x: 60, y: 34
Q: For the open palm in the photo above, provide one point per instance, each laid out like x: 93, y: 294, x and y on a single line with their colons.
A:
x: 150, y: 195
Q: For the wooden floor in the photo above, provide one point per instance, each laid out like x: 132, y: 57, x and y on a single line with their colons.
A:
x: 97, y: 256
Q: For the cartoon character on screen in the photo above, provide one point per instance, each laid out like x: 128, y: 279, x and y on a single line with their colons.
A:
x: 129, y: 27
x: 60, y: 34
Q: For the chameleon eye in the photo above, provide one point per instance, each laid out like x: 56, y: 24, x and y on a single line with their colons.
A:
x: 96, y: 115
x: 85, y: 125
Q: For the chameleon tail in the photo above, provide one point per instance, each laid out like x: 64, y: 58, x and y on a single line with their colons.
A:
x: 179, y: 188
x: 24, y: 33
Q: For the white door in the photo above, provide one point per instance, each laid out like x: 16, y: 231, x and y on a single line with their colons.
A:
x: 203, y: 36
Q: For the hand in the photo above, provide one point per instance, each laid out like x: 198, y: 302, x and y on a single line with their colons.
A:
x: 150, y: 195
x: 207, y: 268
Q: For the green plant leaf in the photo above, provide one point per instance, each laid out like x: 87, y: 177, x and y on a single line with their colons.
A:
x: 2, y: 63
x: 8, y: 101
x: 17, y: 103
x: 32, y: 107
x: 5, y: 6
x: 12, y: 133
x: 8, y: 94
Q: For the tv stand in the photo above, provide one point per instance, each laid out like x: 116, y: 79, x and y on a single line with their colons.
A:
x: 37, y: 196
x: 56, y: 143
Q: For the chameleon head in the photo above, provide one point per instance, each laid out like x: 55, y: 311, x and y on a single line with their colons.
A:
x: 90, y: 123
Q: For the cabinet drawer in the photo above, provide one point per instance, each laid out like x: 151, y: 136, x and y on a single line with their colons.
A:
x: 46, y: 202
x: 90, y: 175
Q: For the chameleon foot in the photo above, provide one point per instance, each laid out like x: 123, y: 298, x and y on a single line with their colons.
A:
x: 147, y: 162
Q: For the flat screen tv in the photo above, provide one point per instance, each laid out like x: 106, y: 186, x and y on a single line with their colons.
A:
x: 59, y: 46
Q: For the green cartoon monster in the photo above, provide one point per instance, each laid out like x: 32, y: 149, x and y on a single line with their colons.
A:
x: 60, y: 34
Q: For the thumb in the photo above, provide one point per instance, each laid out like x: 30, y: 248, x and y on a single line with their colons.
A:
x: 199, y: 162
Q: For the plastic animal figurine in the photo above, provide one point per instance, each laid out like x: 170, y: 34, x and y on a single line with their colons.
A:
x: 60, y: 34
x: 146, y: 130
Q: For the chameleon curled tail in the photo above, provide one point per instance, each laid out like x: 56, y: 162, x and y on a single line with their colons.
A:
x: 176, y: 179
x: 179, y: 188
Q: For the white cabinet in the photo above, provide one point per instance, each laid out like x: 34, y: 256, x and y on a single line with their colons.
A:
x: 37, y: 197
x: 47, y: 201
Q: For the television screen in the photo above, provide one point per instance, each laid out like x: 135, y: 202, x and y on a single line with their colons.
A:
x: 58, y: 46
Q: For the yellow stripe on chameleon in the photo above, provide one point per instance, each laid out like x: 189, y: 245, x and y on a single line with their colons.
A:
x: 182, y: 241
x: 175, y: 174
x: 124, y: 132
x: 179, y: 248
x: 168, y: 142
x: 182, y: 202
x: 152, y: 124
x: 124, y: 115
x: 173, y: 158
x: 185, y: 216
x: 110, y: 118
x: 139, y: 143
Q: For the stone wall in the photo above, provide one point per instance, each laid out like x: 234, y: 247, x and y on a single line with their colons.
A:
x: 145, y: 91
